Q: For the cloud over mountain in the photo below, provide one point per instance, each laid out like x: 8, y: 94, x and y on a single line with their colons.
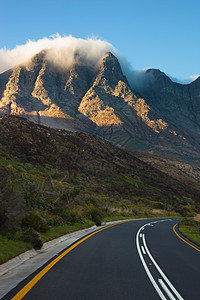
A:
x: 61, y: 50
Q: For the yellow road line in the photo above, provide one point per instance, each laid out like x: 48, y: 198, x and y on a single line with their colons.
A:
x: 174, y: 229
x: 31, y: 283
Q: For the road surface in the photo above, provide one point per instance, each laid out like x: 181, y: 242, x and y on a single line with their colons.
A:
x: 141, y: 259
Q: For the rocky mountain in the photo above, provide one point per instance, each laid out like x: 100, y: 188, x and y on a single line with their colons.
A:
x: 99, y: 100
x: 178, y: 104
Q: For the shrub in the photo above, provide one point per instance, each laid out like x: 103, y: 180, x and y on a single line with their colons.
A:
x: 35, y: 221
x: 96, y: 215
x: 69, y: 194
x: 135, y: 211
x: 185, y: 211
x: 54, y: 220
x: 71, y: 217
x: 158, y: 205
x: 189, y: 222
x: 32, y: 236
x: 91, y: 200
x: 2, y: 216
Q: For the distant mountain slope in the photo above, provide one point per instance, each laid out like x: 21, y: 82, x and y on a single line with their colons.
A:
x: 187, y: 174
x: 101, y: 101
x: 178, y: 104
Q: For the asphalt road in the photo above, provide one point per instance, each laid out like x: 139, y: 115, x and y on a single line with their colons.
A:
x: 125, y: 261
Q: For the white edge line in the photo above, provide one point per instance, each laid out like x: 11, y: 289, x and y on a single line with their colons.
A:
x: 166, y: 289
x: 161, y: 272
x: 158, y: 290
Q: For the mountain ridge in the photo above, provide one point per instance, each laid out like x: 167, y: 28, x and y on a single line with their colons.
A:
x: 101, y: 101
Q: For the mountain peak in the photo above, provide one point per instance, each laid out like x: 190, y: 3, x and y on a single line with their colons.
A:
x: 110, y: 58
x: 37, y: 59
x: 110, y: 54
x: 111, y: 69
x: 156, y: 73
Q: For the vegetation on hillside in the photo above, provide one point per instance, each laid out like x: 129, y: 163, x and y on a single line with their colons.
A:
x: 52, y: 179
x: 191, y: 229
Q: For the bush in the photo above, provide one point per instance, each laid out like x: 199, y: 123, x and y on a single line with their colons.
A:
x: 32, y: 236
x: 135, y: 211
x: 3, y: 217
x: 185, y: 211
x: 158, y: 205
x: 69, y: 194
x: 96, y: 215
x: 70, y: 217
x: 35, y: 221
x: 54, y: 220
x: 189, y: 222
x: 91, y: 200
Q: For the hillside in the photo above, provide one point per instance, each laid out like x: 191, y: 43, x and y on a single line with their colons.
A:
x: 64, y: 176
x: 187, y: 174
x: 99, y: 100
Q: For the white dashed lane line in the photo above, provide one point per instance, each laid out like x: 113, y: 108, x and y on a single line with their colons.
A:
x: 163, y: 286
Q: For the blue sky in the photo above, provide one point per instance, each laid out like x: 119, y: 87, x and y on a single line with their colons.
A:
x: 161, y: 34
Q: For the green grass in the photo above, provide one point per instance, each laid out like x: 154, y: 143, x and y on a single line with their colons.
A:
x: 191, y: 232
x: 58, y: 231
x: 11, y: 248
x: 132, y: 181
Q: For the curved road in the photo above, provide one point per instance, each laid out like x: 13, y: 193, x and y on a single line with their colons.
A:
x: 141, y: 259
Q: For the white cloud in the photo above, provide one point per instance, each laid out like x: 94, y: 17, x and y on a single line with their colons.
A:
x: 64, y: 50
x: 60, y: 50
x: 184, y: 81
x: 193, y: 77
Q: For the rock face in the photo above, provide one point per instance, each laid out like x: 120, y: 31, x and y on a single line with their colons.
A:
x: 178, y: 104
x: 166, y: 120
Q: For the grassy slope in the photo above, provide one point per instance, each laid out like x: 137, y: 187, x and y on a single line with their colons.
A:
x: 179, y: 170
x: 191, y: 229
x: 72, y: 178
x: 191, y: 232
x: 11, y: 245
